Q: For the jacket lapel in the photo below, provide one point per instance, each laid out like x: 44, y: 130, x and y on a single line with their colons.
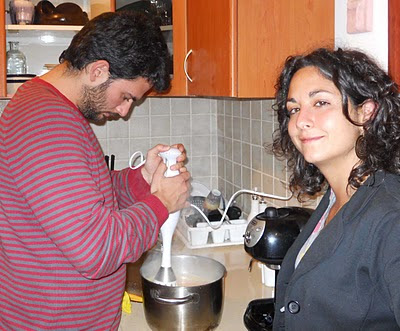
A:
x: 329, y: 238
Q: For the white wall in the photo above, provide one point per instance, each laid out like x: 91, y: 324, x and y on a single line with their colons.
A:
x: 375, y: 43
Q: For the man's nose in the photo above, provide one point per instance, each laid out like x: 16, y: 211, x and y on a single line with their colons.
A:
x: 124, y: 108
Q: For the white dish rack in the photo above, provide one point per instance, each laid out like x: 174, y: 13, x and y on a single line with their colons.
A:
x: 204, y: 236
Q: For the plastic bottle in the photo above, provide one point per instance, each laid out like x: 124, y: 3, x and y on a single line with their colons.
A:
x: 254, y: 207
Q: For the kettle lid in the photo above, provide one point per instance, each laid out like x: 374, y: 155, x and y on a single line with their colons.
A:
x: 272, y: 213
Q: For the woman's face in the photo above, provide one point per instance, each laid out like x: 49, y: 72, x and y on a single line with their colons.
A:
x: 317, y: 126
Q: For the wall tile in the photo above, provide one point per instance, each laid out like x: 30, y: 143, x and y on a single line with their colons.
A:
x: 246, y: 130
x: 246, y: 105
x: 160, y: 126
x: 267, y: 114
x: 236, y: 128
x: 255, y: 110
x: 220, y: 125
x: 141, y: 108
x: 201, y: 125
x: 159, y: 106
x: 200, y: 166
x: 228, y: 149
x: 246, y: 155
x: 139, y: 144
x: 256, y: 132
x: 228, y: 126
x: 120, y: 148
x: 237, y: 152
x: 201, y: 106
x: 202, y: 146
x: 118, y: 129
x: 99, y: 130
x: 180, y: 124
x: 139, y: 126
x: 180, y: 106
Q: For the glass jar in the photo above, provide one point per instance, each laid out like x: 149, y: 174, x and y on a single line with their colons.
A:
x: 22, y: 11
x: 16, y: 61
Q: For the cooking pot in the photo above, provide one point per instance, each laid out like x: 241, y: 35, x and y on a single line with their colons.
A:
x: 196, y: 303
x: 270, y: 234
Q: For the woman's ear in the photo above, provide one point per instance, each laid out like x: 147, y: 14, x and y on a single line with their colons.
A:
x: 368, y: 109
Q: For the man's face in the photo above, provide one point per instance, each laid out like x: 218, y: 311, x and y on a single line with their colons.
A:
x: 111, y: 99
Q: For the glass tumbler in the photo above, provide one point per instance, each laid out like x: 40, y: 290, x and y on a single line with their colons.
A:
x: 24, y: 11
x: 16, y: 61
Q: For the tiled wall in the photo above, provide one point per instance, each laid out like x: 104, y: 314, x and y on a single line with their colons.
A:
x: 191, y: 121
x: 244, y: 130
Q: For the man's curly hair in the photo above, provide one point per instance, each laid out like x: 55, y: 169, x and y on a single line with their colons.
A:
x: 130, y: 42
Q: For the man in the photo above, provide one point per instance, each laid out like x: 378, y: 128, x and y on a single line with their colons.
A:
x: 68, y: 225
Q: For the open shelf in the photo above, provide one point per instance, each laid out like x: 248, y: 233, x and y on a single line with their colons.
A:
x: 32, y: 27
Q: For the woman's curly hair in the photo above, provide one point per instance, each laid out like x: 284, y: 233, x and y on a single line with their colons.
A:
x: 358, y: 79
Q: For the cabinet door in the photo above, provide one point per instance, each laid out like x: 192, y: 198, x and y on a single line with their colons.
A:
x: 270, y: 31
x: 211, y: 37
x: 394, y: 40
x: 238, y: 46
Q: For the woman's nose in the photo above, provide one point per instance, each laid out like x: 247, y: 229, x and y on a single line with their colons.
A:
x: 304, y: 119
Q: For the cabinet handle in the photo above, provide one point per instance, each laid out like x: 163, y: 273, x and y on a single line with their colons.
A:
x: 185, y: 66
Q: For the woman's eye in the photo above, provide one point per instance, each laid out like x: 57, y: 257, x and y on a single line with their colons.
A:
x: 321, y: 103
x: 292, y: 111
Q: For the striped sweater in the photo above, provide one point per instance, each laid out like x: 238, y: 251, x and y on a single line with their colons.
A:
x: 67, y: 226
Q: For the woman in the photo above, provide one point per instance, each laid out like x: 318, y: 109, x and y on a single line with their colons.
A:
x: 339, y: 128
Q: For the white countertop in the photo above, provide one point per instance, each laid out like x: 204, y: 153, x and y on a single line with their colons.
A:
x: 241, y: 286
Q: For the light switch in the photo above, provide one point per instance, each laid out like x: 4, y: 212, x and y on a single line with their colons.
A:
x: 359, y: 16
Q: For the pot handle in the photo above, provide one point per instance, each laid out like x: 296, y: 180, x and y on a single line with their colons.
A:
x: 193, y: 297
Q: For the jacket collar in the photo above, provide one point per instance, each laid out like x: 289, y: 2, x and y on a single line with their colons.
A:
x: 331, y: 236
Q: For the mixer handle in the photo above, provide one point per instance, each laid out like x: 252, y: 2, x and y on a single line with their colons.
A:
x: 192, y: 297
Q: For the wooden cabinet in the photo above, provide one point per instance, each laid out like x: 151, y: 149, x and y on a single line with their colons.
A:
x: 394, y: 40
x: 238, y: 46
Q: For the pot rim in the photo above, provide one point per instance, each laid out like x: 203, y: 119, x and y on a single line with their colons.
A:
x: 153, y: 261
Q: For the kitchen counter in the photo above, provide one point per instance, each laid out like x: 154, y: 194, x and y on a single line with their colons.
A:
x: 241, y: 286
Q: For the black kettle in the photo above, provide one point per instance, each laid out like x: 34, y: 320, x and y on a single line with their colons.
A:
x: 268, y: 237
x: 270, y: 234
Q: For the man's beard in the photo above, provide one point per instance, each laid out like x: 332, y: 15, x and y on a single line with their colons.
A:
x: 94, y: 102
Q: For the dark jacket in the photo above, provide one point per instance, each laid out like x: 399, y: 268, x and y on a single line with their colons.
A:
x: 350, y: 277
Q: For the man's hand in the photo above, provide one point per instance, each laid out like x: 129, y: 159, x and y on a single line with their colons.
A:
x: 153, y: 161
x: 173, y: 192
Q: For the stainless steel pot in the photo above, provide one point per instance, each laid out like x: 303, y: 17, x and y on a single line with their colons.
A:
x: 196, y: 303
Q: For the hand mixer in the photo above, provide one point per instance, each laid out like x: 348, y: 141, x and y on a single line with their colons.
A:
x: 165, y: 275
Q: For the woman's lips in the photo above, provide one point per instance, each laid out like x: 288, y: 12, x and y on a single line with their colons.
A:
x: 306, y: 140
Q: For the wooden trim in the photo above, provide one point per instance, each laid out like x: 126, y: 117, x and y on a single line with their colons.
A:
x: 394, y: 42
x: 3, y: 70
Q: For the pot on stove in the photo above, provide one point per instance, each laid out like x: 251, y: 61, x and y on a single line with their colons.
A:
x: 270, y: 234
